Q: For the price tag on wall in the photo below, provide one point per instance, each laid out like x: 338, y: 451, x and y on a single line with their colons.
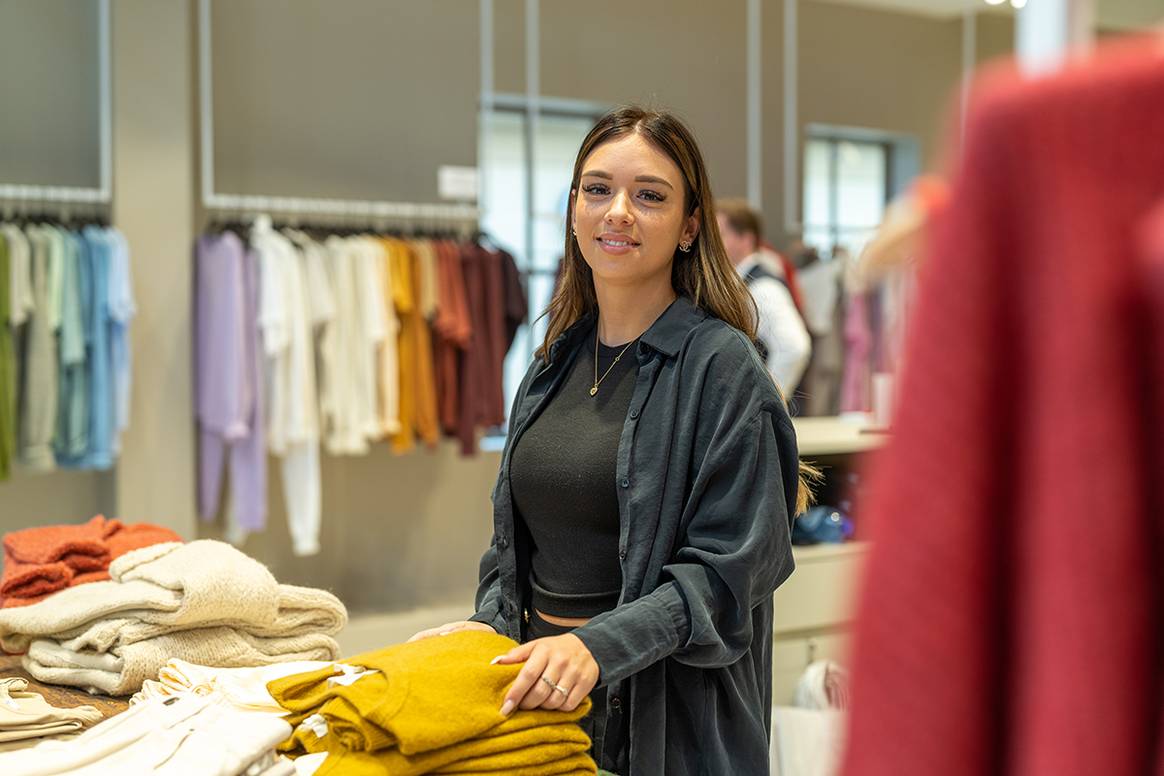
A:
x: 459, y: 183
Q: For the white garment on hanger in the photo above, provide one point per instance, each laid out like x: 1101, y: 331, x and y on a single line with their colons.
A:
x: 388, y: 357
x: 806, y: 742
x: 349, y: 347
x: 20, y: 275
x: 380, y: 328
x: 820, y: 287
x: 292, y: 403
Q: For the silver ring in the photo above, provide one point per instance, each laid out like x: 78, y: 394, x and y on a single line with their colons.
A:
x: 555, y: 686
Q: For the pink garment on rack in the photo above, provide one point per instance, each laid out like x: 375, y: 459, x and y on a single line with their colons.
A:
x: 855, y: 379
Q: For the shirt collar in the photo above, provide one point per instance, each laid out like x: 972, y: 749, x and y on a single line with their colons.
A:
x: 665, y: 335
x: 670, y: 329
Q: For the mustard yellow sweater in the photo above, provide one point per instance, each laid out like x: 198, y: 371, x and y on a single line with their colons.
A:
x: 433, y: 707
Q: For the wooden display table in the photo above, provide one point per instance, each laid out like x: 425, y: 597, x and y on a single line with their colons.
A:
x: 63, y: 697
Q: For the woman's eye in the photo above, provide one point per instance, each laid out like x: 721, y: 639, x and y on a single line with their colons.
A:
x: 652, y: 196
x: 596, y: 188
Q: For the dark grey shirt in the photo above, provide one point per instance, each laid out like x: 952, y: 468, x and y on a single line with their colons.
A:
x: 706, y: 475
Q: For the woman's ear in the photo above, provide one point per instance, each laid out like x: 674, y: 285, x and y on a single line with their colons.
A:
x: 691, y: 227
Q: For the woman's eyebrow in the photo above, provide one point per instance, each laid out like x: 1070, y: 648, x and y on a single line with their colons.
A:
x: 640, y: 178
x: 653, y: 179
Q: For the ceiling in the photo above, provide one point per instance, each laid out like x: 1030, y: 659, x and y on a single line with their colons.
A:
x: 1111, y: 14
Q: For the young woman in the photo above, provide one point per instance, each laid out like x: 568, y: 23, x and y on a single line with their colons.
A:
x: 643, y: 508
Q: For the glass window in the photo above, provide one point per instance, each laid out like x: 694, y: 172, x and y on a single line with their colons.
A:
x: 505, y: 211
x: 846, y: 186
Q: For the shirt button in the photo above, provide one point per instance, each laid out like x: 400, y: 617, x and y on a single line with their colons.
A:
x: 634, y: 414
x: 615, y: 703
x: 625, y: 482
x: 503, y: 542
x: 622, y: 554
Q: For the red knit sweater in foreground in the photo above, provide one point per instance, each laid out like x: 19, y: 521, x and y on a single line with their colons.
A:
x: 1010, y: 616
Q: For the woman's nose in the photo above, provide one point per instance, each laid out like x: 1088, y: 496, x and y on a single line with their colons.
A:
x: 619, y: 212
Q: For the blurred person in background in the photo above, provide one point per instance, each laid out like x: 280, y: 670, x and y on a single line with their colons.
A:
x: 782, y: 337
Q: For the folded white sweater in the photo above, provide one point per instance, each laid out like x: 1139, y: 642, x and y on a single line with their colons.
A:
x: 244, y: 687
x: 174, y: 736
x: 170, y: 587
x: 123, y: 669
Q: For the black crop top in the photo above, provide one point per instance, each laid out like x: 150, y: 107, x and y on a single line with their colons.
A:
x: 562, y: 476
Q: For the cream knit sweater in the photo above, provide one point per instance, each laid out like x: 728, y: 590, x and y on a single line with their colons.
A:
x: 171, y: 587
x: 122, y: 670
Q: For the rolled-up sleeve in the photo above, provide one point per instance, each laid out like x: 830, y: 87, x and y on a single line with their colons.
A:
x: 735, y: 550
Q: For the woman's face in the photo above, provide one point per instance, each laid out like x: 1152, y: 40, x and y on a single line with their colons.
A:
x: 629, y: 212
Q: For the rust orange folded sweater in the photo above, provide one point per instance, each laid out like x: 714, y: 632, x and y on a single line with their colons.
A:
x: 40, y: 561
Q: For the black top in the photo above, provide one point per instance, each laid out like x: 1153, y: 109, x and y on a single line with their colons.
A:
x: 563, y: 480
x: 706, y: 479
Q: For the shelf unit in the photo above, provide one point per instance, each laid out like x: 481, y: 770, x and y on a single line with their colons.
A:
x: 837, y: 435
x: 814, y: 608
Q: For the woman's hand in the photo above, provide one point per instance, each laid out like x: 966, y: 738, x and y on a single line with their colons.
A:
x: 559, y: 672
x: 451, y: 627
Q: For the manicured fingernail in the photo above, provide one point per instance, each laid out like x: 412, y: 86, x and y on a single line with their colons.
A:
x: 507, y: 707
x: 496, y: 660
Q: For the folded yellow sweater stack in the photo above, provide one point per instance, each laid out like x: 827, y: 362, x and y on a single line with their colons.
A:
x: 431, y: 706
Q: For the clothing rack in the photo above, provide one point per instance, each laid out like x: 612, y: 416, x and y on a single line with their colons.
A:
x: 10, y: 193
x: 345, y: 208
x: 61, y: 202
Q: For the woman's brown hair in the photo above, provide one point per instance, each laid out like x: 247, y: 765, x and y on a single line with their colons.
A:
x: 705, y: 275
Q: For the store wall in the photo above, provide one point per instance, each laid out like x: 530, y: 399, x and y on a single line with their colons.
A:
x: 408, y: 531
x: 153, y: 200
x: 49, y: 93
x: 361, y: 103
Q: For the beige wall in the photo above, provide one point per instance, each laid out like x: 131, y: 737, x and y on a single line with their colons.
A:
x: 49, y: 92
x: 153, y: 185
x: 368, y: 103
x: 317, y: 99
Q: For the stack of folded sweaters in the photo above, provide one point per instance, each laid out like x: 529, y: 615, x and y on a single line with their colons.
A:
x: 430, y: 706
x: 204, y: 602
x: 40, y: 561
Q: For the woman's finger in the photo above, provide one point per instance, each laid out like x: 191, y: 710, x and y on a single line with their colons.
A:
x: 578, y: 692
x: 539, y: 693
x: 534, y: 665
x: 518, y: 654
x: 562, y: 677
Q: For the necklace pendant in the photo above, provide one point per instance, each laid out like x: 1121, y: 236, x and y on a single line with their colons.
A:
x: 594, y: 390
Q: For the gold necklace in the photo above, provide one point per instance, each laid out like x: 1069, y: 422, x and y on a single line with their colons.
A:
x: 598, y: 380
